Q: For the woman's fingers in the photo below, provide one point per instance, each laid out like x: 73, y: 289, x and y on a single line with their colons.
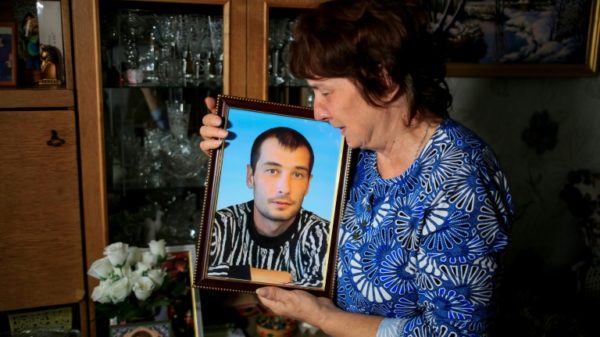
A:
x: 210, y: 144
x: 211, y: 104
x: 212, y: 120
x: 270, y: 293
x: 211, y: 131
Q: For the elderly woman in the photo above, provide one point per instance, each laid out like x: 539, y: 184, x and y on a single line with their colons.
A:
x: 429, y: 207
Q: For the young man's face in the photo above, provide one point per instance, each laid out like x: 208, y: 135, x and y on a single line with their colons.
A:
x: 280, y: 182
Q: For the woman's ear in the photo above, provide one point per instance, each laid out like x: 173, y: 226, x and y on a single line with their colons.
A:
x: 392, y: 87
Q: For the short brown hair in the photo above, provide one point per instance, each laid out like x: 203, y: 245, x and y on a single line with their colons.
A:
x: 362, y: 40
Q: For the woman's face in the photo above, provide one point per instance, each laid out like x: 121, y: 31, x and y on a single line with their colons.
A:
x: 339, y: 102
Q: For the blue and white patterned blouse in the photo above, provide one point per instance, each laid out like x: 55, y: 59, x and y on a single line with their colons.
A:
x: 420, y: 249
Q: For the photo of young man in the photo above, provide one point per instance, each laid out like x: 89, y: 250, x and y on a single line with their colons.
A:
x: 272, y: 238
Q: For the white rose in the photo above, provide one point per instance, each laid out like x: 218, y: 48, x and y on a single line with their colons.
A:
x: 119, y: 290
x: 149, y: 259
x: 142, y: 267
x: 133, y: 278
x: 157, y: 276
x: 143, y: 288
x: 101, y: 268
x: 100, y: 293
x: 125, y: 271
x: 117, y: 253
x: 134, y: 255
x: 158, y: 247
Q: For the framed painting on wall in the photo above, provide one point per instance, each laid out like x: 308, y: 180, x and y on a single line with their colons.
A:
x: 518, y: 37
x: 274, y: 196
x: 8, y: 59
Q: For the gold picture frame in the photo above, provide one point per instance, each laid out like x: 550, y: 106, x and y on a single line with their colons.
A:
x: 518, y: 38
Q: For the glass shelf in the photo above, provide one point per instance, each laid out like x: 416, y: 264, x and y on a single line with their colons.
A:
x: 161, y: 44
x: 283, y: 87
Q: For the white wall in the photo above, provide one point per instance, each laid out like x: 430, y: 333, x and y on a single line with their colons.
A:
x: 499, y: 110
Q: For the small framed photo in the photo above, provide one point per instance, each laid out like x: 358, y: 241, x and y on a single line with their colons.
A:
x: 145, y: 329
x: 183, y: 310
x: 274, y: 198
x: 8, y: 54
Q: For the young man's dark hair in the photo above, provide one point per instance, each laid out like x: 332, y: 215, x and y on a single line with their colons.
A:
x: 288, y: 138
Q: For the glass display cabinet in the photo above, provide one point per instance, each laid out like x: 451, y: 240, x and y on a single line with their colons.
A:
x: 143, y: 69
x: 283, y: 87
x: 158, y: 63
x: 272, y: 22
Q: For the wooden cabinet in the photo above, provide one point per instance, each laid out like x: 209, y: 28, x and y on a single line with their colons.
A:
x: 245, y: 73
x: 54, y: 200
x: 42, y: 197
x: 41, y: 261
x: 42, y: 248
x: 94, y: 103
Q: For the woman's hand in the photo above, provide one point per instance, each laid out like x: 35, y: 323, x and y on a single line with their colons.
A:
x: 296, y: 304
x: 319, y: 312
x: 211, y: 131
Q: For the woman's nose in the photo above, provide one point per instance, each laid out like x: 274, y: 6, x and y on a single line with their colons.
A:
x: 319, y: 112
x: 319, y: 115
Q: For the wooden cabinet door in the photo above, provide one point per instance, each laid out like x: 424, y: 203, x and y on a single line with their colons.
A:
x: 41, y: 259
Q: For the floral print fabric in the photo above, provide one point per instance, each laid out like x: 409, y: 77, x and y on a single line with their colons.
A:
x: 421, y: 248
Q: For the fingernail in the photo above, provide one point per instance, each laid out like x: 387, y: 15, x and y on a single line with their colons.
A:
x: 260, y: 292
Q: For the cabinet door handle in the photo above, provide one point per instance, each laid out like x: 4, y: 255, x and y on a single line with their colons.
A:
x: 55, y: 140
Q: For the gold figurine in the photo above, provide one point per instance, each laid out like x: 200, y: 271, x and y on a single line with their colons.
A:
x: 49, y: 68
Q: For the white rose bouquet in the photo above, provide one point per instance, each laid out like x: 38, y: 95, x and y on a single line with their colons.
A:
x: 133, y: 283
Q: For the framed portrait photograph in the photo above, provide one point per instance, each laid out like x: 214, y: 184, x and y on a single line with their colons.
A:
x: 518, y: 38
x: 142, y: 329
x: 8, y: 54
x: 274, y: 197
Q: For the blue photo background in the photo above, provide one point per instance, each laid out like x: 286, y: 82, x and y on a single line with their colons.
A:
x: 246, y: 125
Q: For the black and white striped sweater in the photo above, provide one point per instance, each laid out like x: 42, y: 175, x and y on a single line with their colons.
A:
x: 236, y: 246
